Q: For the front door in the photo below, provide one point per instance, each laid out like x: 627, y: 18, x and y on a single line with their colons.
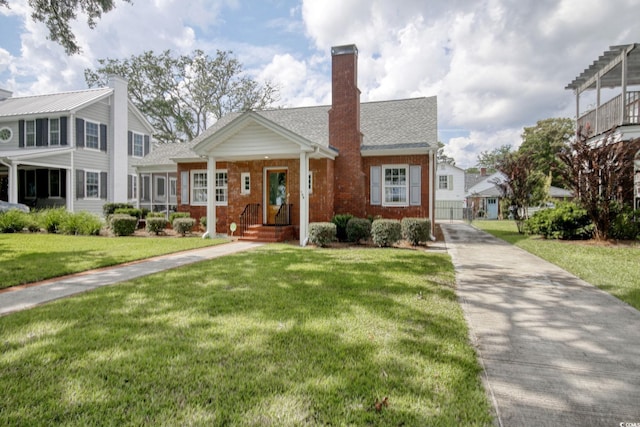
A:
x: 492, y: 208
x: 276, y: 192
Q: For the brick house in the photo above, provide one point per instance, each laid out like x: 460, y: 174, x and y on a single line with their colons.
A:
x: 275, y: 171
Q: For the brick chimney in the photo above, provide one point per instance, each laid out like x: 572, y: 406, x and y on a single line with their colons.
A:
x: 344, y: 132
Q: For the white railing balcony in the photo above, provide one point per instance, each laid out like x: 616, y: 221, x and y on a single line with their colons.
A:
x: 611, y: 114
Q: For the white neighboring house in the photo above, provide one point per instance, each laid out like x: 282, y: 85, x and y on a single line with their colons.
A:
x: 450, y: 194
x: 72, y: 149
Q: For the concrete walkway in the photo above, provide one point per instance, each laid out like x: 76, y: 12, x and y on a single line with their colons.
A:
x: 23, y: 297
x: 556, y: 351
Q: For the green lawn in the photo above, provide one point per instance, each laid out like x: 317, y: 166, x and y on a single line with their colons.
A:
x: 27, y: 257
x: 278, y: 336
x: 613, y: 268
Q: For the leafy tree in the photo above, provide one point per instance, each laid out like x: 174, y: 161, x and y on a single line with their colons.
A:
x: 544, y: 142
x: 600, y: 173
x: 491, y: 159
x: 182, y: 95
x: 56, y: 15
x: 522, y: 187
x: 443, y: 158
x: 472, y: 170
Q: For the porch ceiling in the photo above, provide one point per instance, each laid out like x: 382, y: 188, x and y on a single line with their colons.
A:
x: 609, y: 67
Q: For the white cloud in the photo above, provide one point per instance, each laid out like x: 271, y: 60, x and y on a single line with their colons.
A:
x: 465, y: 150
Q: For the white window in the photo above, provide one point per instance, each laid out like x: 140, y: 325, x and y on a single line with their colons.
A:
x: 133, y: 179
x: 198, y: 187
x: 160, y: 187
x: 443, y: 182
x: 173, y: 187
x: 92, y: 135
x: 54, y: 131
x: 138, y: 145
x: 245, y: 183
x: 395, y: 185
x: 55, y: 189
x: 310, y: 182
x: 92, y: 185
x: 221, y: 187
x: 30, y: 133
x: 5, y: 135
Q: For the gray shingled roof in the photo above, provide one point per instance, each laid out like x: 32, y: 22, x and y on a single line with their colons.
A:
x: 51, y: 103
x: 405, y: 123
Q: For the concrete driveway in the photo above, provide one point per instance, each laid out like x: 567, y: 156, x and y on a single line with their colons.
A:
x: 556, y: 351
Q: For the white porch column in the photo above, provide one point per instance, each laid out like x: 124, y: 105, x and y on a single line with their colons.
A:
x: 70, y: 189
x: 13, y: 183
x: 304, y: 198
x: 211, y: 197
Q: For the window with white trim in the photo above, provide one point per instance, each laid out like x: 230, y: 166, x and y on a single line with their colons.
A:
x: 92, y: 185
x: 221, y: 187
x: 395, y: 182
x: 138, y: 145
x: 92, y: 135
x: 245, y: 183
x: 54, y: 131
x: 55, y: 183
x: 30, y: 133
x: 160, y: 187
x: 198, y: 187
x: 173, y: 187
x: 443, y: 182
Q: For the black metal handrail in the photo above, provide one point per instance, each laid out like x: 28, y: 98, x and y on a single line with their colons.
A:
x: 283, y: 216
x: 249, y: 216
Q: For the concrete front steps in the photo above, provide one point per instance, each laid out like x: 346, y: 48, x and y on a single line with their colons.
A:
x: 269, y: 233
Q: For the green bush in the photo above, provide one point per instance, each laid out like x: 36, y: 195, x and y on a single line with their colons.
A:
x: 341, y: 221
x: 358, y: 229
x: 567, y: 221
x: 322, y: 233
x: 123, y: 225
x: 183, y: 225
x: 51, y: 219
x: 626, y: 225
x: 156, y: 215
x: 415, y: 230
x: 203, y: 222
x: 14, y: 221
x: 81, y: 223
x: 129, y: 211
x: 156, y: 225
x: 386, y: 232
x: 110, y: 208
x: 174, y: 215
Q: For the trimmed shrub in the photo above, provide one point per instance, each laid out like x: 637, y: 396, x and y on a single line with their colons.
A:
x: 129, y: 211
x: 386, y: 232
x: 626, y: 225
x: 156, y: 225
x: 567, y: 221
x: 110, y: 208
x: 175, y: 215
x: 14, y: 221
x: 123, y: 225
x: 358, y: 229
x: 156, y: 215
x: 81, y: 223
x: 203, y: 222
x: 51, y: 219
x: 415, y: 230
x: 183, y: 225
x: 322, y: 233
x: 341, y: 221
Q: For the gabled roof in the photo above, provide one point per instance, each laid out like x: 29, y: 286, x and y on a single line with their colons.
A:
x: 64, y: 102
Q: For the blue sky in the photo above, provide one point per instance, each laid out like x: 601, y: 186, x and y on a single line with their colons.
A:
x: 496, y: 66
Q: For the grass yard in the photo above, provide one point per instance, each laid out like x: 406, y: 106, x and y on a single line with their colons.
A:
x: 613, y: 268
x: 278, y: 336
x: 28, y: 257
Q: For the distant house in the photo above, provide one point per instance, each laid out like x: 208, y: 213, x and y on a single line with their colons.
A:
x: 71, y: 149
x: 610, y: 87
x: 450, y: 192
x: 271, y: 173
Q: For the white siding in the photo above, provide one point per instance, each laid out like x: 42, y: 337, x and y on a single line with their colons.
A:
x: 13, y: 144
x: 256, y: 139
x: 135, y: 124
x: 98, y: 112
x: 91, y: 159
x: 455, y: 192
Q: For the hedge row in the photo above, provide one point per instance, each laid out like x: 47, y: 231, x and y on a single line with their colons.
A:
x: 56, y: 220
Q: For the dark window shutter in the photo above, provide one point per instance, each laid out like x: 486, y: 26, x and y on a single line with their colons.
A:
x: 415, y: 185
x: 42, y: 183
x: 63, y: 131
x: 79, y: 184
x: 63, y: 183
x: 129, y: 187
x: 130, y: 143
x: 80, y: 133
x: 103, y: 138
x: 20, y: 133
x: 147, y: 144
x: 42, y: 132
x: 103, y: 185
x: 376, y: 187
